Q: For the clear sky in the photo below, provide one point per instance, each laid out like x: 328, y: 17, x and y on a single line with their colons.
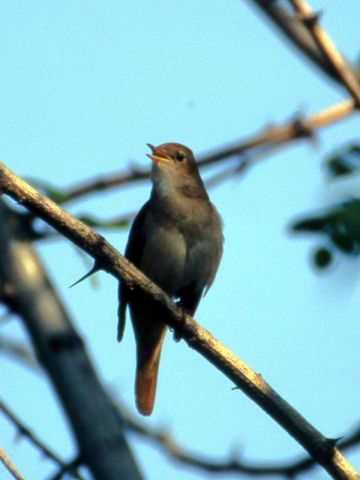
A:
x: 84, y: 86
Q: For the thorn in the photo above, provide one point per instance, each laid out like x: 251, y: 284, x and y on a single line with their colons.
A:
x: 332, y: 442
x: 309, y: 19
x: 301, y: 130
x: 313, y: 18
x: 94, y: 269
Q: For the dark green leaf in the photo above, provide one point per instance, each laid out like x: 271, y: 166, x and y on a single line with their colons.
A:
x: 345, y: 162
x: 315, y: 224
x: 344, y: 242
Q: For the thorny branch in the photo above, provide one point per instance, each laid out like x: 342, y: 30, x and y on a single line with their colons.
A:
x: 105, y: 182
x: 106, y: 257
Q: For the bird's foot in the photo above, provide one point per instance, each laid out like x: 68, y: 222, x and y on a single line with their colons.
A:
x: 177, y: 335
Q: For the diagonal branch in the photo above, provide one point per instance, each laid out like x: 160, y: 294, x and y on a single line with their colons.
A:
x: 107, y: 257
x: 25, y: 431
x: 297, y: 33
x: 258, y: 145
x: 68, y: 468
x: 4, y: 459
x: 326, y: 46
x: 234, y: 464
x: 18, y: 351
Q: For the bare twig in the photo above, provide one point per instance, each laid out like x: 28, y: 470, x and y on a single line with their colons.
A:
x: 301, y: 127
x: 4, y: 459
x: 115, y: 223
x: 18, y: 351
x: 24, y: 431
x: 252, y: 384
x: 264, y: 143
x: 68, y: 468
x: 105, y: 182
x: 344, y: 71
x: 233, y: 464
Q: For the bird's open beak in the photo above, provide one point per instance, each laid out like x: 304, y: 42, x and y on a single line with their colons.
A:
x: 157, y: 156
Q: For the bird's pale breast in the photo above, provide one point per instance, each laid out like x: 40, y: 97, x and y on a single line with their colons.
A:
x: 174, y: 258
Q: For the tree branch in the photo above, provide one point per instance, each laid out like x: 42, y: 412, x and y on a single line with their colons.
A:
x: 252, y: 384
x: 4, y: 459
x: 60, y: 350
x: 250, y: 149
x: 233, y: 464
x: 297, y: 33
x: 69, y: 467
x: 18, y: 351
x: 326, y: 46
x: 24, y: 431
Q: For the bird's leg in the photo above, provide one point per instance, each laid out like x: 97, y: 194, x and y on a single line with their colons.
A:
x: 177, y: 336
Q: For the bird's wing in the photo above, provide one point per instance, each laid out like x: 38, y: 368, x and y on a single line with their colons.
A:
x: 190, y: 298
x: 133, y: 252
x: 209, y: 248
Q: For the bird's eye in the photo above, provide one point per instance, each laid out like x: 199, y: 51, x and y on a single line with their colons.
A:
x: 179, y: 156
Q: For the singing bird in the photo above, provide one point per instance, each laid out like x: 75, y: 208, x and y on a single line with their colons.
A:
x: 176, y: 240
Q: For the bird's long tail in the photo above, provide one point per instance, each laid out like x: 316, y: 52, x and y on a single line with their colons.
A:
x: 148, y: 358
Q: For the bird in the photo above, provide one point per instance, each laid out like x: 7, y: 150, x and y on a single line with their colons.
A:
x: 176, y: 240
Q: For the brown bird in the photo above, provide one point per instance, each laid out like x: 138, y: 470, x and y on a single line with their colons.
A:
x: 176, y: 240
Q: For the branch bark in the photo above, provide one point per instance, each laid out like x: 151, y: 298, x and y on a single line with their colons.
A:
x: 108, y: 258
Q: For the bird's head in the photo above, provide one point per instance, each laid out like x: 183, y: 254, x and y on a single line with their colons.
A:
x: 174, y: 170
x: 173, y: 158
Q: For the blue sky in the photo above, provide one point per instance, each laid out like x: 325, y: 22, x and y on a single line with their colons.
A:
x: 85, y: 85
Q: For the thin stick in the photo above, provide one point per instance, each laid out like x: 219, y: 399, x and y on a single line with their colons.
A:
x: 300, y: 128
x: 4, y: 459
x: 234, y: 463
x: 18, y: 351
x: 26, y: 432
